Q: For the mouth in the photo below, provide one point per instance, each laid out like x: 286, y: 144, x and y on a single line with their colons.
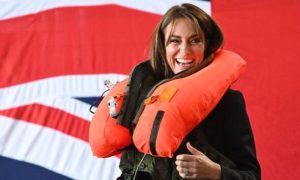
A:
x: 184, y: 62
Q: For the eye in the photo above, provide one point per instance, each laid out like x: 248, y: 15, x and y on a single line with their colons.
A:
x: 195, y: 41
x: 173, y: 40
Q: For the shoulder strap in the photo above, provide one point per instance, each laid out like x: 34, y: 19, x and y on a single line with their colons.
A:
x: 140, y: 82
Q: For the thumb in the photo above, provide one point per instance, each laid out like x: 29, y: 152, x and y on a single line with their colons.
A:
x: 193, y: 150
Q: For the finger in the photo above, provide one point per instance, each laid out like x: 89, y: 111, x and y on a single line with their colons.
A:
x: 186, y: 172
x: 193, y: 150
x: 182, y: 171
x: 184, y: 163
x: 185, y: 157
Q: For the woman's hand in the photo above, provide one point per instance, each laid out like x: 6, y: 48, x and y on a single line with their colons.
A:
x: 197, y: 165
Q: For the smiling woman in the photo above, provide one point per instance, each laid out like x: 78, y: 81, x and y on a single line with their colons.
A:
x: 222, y: 145
x: 217, y: 143
x: 184, y: 46
x: 186, y: 35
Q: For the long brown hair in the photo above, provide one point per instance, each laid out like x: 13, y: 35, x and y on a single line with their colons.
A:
x: 205, y: 25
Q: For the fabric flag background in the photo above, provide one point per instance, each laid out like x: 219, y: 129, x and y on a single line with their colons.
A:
x: 55, y: 56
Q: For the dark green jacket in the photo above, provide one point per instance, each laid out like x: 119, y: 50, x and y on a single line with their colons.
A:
x: 225, y: 136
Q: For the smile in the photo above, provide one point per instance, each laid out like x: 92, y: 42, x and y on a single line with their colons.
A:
x: 180, y: 61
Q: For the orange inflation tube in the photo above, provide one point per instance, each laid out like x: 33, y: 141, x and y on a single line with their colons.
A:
x: 176, y: 107
x: 106, y: 137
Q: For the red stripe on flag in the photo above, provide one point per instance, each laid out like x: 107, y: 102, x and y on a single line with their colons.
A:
x: 73, y: 40
x: 52, y: 118
x: 266, y: 34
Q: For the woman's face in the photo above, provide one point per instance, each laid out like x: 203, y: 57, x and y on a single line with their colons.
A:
x: 184, y: 47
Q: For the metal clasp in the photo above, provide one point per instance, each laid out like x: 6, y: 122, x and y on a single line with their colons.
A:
x: 112, y: 106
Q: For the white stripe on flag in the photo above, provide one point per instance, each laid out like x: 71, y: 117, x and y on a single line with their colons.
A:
x: 53, y: 150
x: 55, y: 87
x: 15, y: 8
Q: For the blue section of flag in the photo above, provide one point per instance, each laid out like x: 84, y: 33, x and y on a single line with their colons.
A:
x: 11, y: 169
x: 93, y: 101
x: 90, y: 100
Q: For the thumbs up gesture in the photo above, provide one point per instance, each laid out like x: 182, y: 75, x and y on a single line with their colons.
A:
x: 197, y: 165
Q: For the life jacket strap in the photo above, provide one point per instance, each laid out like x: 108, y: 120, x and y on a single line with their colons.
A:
x: 154, y: 132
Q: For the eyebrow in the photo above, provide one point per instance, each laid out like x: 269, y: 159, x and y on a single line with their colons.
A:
x: 192, y: 36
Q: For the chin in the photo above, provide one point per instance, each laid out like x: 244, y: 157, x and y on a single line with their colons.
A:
x: 178, y: 71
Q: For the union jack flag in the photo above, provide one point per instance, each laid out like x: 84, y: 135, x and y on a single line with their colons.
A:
x: 54, y: 58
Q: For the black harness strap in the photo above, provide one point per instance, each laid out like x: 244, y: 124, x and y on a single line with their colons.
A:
x: 154, y: 132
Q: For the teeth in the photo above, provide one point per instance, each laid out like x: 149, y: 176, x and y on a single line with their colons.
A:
x: 184, y: 61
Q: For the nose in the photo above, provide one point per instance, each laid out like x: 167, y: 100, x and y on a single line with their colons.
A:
x: 185, y: 48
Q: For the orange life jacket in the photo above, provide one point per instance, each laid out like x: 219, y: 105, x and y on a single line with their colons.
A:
x: 170, y: 112
x: 178, y: 106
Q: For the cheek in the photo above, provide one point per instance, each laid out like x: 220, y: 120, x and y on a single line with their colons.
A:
x: 170, y: 53
x: 199, y: 53
x: 201, y: 56
x: 170, y: 50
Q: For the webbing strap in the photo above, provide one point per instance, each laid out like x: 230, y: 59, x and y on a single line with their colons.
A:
x: 154, y: 132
